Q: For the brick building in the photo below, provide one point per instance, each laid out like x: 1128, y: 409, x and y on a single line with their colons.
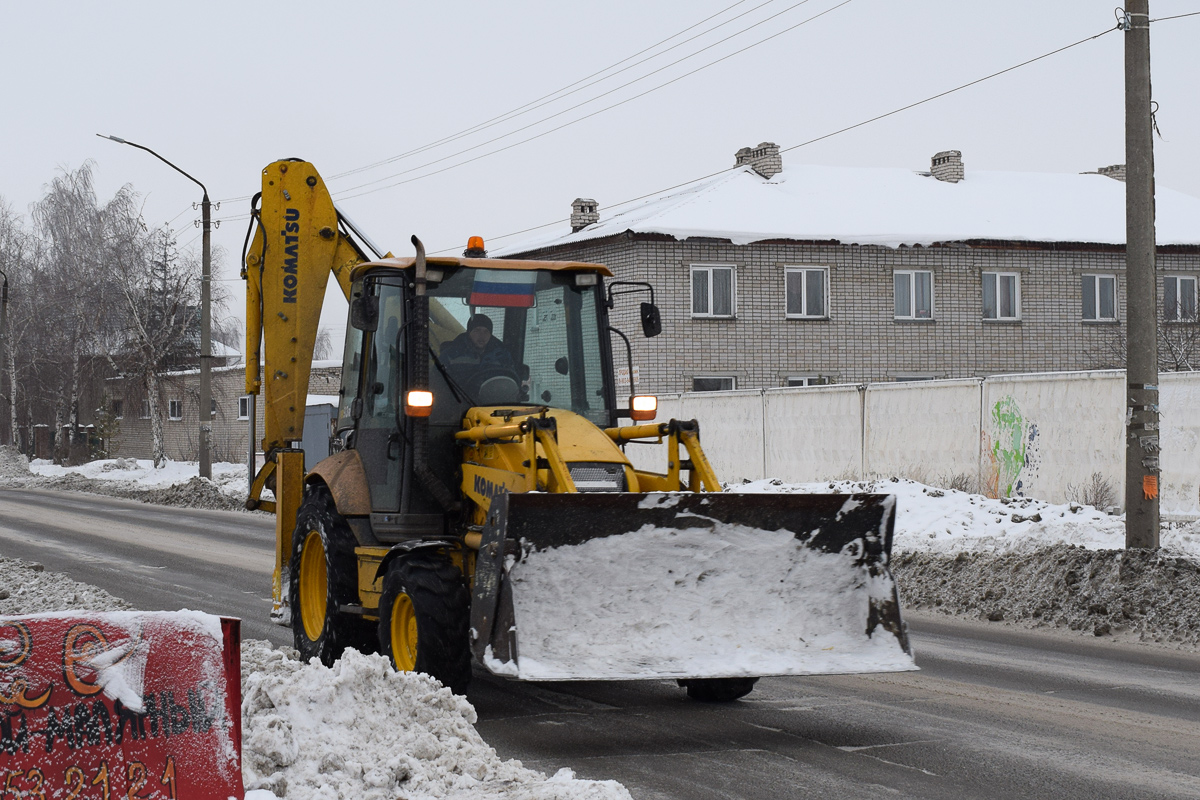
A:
x: 129, y: 424
x: 773, y: 276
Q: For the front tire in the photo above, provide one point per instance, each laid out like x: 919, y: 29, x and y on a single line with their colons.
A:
x: 718, y: 690
x: 424, y: 617
x: 323, y: 578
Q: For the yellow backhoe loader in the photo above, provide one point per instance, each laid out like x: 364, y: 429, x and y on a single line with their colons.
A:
x: 479, y: 506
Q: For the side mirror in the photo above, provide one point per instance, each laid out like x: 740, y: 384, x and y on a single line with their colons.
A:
x: 364, y: 313
x: 561, y: 366
x: 651, y: 320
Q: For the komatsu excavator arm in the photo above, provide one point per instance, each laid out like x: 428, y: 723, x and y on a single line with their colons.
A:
x: 296, y: 244
x: 296, y: 240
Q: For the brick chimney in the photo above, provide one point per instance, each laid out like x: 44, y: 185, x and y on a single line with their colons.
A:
x: 583, y: 213
x: 764, y: 159
x: 947, y: 166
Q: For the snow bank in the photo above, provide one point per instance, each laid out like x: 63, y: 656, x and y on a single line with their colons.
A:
x: 229, y: 478
x: 26, y: 588
x: 362, y: 731
x: 948, y: 522
x: 357, y: 731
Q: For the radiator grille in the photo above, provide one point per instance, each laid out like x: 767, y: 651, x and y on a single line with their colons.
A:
x: 593, y: 477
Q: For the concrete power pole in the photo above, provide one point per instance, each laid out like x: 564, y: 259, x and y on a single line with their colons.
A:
x: 1141, y: 360
x: 206, y: 341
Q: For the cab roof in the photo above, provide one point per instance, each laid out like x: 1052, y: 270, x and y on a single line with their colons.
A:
x: 443, y: 262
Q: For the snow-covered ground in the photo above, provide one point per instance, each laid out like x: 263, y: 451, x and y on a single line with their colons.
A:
x: 140, y: 472
x: 948, y: 522
x: 361, y: 730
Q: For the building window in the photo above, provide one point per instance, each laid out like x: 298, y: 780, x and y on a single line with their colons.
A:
x: 713, y: 383
x: 1179, y: 299
x: 145, y: 409
x: 244, y: 407
x: 808, y: 380
x: 212, y: 406
x: 1001, y: 295
x: 805, y: 293
x: 118, y: 409
x: 174, y: 409
x: 914, y: 294
x: 713, y: 291
x: 1099, y: 297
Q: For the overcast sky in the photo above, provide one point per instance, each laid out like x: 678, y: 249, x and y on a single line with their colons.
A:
x: 224, y: 88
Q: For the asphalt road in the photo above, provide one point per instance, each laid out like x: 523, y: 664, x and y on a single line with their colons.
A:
x: 994, y: 712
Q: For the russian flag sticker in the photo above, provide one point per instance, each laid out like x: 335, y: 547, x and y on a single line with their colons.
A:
x: 503, y: 288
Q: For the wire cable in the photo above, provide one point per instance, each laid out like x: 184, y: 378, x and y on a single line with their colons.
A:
x: 515, y: 131
x: 1177, y: 16
x: 343, y: 195
x: 819, y: 138
x: 559, y: 93
x: 519, y: 110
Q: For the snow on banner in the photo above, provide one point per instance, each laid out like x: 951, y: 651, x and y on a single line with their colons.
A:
x: 120, y: 704
x: 503, y: 288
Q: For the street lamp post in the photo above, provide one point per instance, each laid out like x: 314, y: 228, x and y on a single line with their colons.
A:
x: 205, y: 314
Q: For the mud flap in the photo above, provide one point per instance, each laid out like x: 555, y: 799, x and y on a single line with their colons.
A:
x: 596, y: 586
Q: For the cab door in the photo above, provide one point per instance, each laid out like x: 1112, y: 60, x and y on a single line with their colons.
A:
x: 379, y: 440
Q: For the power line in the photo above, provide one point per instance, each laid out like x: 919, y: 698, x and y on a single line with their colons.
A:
x: 514, y: 112
x: 951, y: 91
x: 558, y: 94
x: 599, y: 96
x: 821, y: 138
x: 1177, y: 16
x: 342, y: 195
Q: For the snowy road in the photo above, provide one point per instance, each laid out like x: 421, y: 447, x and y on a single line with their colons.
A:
x: 996, y: 712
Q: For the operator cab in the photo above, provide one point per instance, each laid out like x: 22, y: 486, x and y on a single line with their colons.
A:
x: 521, y: 335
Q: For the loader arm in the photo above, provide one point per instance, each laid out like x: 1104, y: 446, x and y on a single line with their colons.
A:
x: 296, y: 244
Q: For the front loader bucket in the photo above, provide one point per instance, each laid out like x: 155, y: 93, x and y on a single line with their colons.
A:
x: 598, y: 586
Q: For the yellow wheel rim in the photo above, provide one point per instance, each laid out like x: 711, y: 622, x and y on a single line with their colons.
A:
x: 404, y: 633
x: 314, y: 587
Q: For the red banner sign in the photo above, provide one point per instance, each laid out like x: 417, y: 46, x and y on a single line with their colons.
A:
x: 101, y: 706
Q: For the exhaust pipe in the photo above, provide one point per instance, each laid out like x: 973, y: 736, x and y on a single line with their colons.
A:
x: 432, y: 483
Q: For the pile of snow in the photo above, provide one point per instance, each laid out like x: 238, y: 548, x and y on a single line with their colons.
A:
x: 362, y: 731
x: 356, y: 731
x: 13, y: 463
x: 1131, y: 595
x: 176, y: 483
x: 948, y: 522
x: 718, y: 601
x: 230, y: 479
x: 26, y: 588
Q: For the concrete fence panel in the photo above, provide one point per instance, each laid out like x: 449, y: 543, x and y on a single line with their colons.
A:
x: 731, y: 431
x: 923, y: 430
x: 1046, y: 433
x: 814, y: 433
x: 1179, y: 407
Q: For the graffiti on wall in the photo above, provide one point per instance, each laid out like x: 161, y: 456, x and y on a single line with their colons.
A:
x: 1010, y: 450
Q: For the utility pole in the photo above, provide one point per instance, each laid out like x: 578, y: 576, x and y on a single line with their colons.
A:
x: 1141, y: 360
x: 206, y: 340
x: 4, y: 351
x: 205, y: 455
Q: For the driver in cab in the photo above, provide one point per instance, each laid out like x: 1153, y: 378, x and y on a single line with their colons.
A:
x: 477, y: 347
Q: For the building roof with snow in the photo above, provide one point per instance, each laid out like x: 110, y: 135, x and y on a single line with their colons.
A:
x: 887, y: 207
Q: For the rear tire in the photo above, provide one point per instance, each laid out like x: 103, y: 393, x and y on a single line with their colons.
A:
x: 719, y: 690
x: 424, y: 618
x: 323, y: 577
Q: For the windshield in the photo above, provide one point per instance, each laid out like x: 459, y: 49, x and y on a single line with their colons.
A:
x: 518, y: 337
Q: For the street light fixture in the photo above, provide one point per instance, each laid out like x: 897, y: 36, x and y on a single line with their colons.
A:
x: 205, y: 314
